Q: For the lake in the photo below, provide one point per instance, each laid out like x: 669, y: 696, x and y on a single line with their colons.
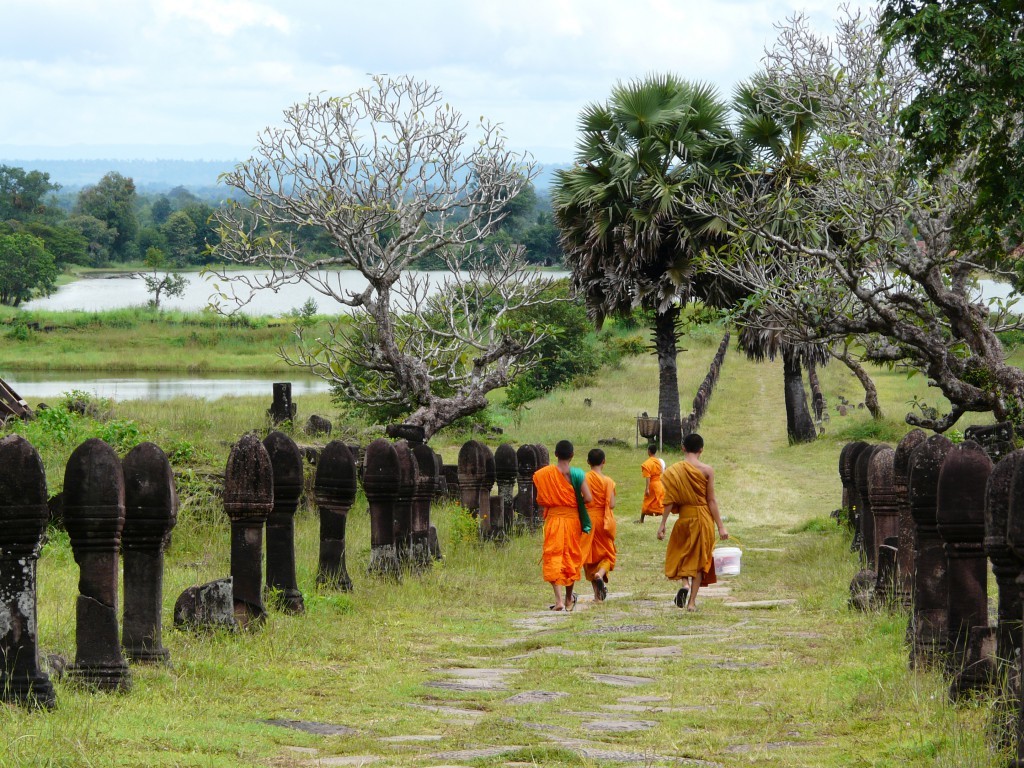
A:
x: 48, y: 386
x: 95, y: 294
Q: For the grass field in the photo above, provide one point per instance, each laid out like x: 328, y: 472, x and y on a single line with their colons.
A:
x: 805, y: 683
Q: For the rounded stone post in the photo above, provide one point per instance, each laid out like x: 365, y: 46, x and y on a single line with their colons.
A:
x: 1015, y: 538
x: 526, y: 465
x: 931, y: 582
x: 150, y: 512
x: 907, y: 534
x: 335, y: 490
x: 23, y: 517
x: 847, y: 461
x: 865, y: 516
x: 286, y: 463
x: 248, y: 500
x: 506, y: 467
x: 960, y: 515
x: 94, y: 516
x: 423, y: 493
x: 543, y: 460
x: 380, y: 481
x: 885, y: 512
x: 476, y: 477
x: 408, y: 471
x: 1005, y: 564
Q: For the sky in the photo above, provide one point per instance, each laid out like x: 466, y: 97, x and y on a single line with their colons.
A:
x: 199, y: 79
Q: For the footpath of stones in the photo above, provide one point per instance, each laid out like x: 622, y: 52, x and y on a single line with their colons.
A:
x: 633, y: 681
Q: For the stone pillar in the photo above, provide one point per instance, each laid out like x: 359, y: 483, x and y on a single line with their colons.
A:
x: 526, y: 465
x: 865, y: 517
x: 1005, y: 564
x: 931, y: 582
x: 960, y: 516
x: 380, y: 481
x: 423, y: 493
x: 847, y: 461
x: 885, y: 514
x: 543, y: 460
x: 433, y: 541
x: 453, y: 490
x: 505, y: 471
x: 150, y: 512
x: 335, y: 491
x: 248, y: 500
x: 23, y: 517
x: 94, y: 516
x: 907, y: 533
x: 286, y: 464
x: 1015, y: 538
x: 282, y: 409
x: 476, y: 476
x: 408, y: 471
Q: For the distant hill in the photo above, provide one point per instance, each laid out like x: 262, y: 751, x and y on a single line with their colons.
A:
x: 155, y: 176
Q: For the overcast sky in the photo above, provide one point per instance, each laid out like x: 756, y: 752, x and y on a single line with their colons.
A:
x: 201, y: 78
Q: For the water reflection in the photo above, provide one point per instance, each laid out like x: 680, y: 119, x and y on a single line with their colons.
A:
x: 49, y: 386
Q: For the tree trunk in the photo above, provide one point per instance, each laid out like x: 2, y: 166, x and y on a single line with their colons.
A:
x: 799, y: 425
x: 668, y: 379
x: 870, y: 391
x: 817, y: 396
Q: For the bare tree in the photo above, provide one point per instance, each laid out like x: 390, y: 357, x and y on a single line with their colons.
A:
x: 390, y: 174
x: 871, y: 252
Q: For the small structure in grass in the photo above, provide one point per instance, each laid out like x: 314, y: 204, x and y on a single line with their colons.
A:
x: 335, y: 491
x: 286, y: 462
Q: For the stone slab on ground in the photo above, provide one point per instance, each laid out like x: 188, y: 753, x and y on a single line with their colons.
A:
x: 412, y: 739
x: 535, y: 697
x: 468, y: 685
x: 625, y: 680
x: 347, y: 760
x: 642, y: 699
x: 651, y: 652
x: 652, y: 708
x: 623, y: 628
x: 761, y: 603
x: 473, y: 754
x: 613, y: 725
x: 449, y: 709
x: 474, y: 673
x: 744, y: 748
x: 592, y: 752
x: 310, y: 726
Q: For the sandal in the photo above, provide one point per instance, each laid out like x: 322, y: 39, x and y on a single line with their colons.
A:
x: 681, y: 597
x: 602, y: 590
x: 571, y: 604
x: 555, y: 608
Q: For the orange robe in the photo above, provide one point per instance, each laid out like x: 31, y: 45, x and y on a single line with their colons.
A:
x: 562, y: 558
x: 654, y: 499
x: 599, y: 545
x: 692, y: 540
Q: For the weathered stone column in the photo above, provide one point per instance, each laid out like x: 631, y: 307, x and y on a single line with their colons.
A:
x: 543, y: 460
x: 931, y: 581
x: 505, y: 471
x: 847, y: 461
x: 1015, y: 538
x: 286, y: 463
x: 150, y: 512
x: 282, y: 409
x: 885, y: 513
x: 475, y: 481
x: 423, y: 493
x: 866, y: 517
x: 526, y: 465
x: 335, y: 491
x: 23, y: 517
x: 94, y: 516
x: 407, y: 478
x: 380, y: 481
x: 960, y: 516
x: 908, y: 534
x: 248, y: 500
x: 433, y: 541
x: 1005, y: 564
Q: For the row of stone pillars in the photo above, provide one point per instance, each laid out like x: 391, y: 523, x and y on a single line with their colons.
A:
x: 110, y: 507
x: 514, y: 507
x: 927, y: 518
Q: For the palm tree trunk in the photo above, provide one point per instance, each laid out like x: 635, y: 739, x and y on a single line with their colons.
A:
x: 799, y: 425
x: 870, y: 392
x: 668, y: 379
x: 817, y: 396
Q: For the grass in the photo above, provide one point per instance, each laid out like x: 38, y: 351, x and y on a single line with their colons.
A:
x: 806, y: 684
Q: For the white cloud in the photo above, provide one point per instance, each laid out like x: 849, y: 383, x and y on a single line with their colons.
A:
x: 224, y: 17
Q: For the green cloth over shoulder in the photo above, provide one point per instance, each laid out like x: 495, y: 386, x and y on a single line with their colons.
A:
x: 576, y: 477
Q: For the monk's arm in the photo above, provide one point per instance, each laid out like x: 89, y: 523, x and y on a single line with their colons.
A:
x: 588, y: 497
x: 713, y: 506
x: 611, y: 499
x: 647, y: 485
x: 669, y: 508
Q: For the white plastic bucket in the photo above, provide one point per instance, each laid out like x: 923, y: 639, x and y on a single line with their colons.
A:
x: 727, y: 560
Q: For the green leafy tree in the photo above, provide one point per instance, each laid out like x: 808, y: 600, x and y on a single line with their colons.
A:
x: 969, y: 108
x: 112, y: 201
x: 628, y: 235
x: 22, y: 193
x: 160, y: 210
x: 26, y: 269
x: 180, y: 232
x: 66, y: 245
x: 98, y: 236
x: 161, y: 282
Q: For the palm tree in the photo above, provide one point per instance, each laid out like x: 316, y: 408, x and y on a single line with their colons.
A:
x: 629, y: 238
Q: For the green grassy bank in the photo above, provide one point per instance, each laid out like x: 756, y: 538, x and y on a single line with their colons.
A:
x: 807, y: 682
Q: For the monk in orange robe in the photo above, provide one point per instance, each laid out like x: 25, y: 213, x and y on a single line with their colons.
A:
x: 654, y: 491
x: 556, y: 493
x: 599, y: 545
x: 690, y: 491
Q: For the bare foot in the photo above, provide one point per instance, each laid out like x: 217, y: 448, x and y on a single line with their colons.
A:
x: 556, y: 607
